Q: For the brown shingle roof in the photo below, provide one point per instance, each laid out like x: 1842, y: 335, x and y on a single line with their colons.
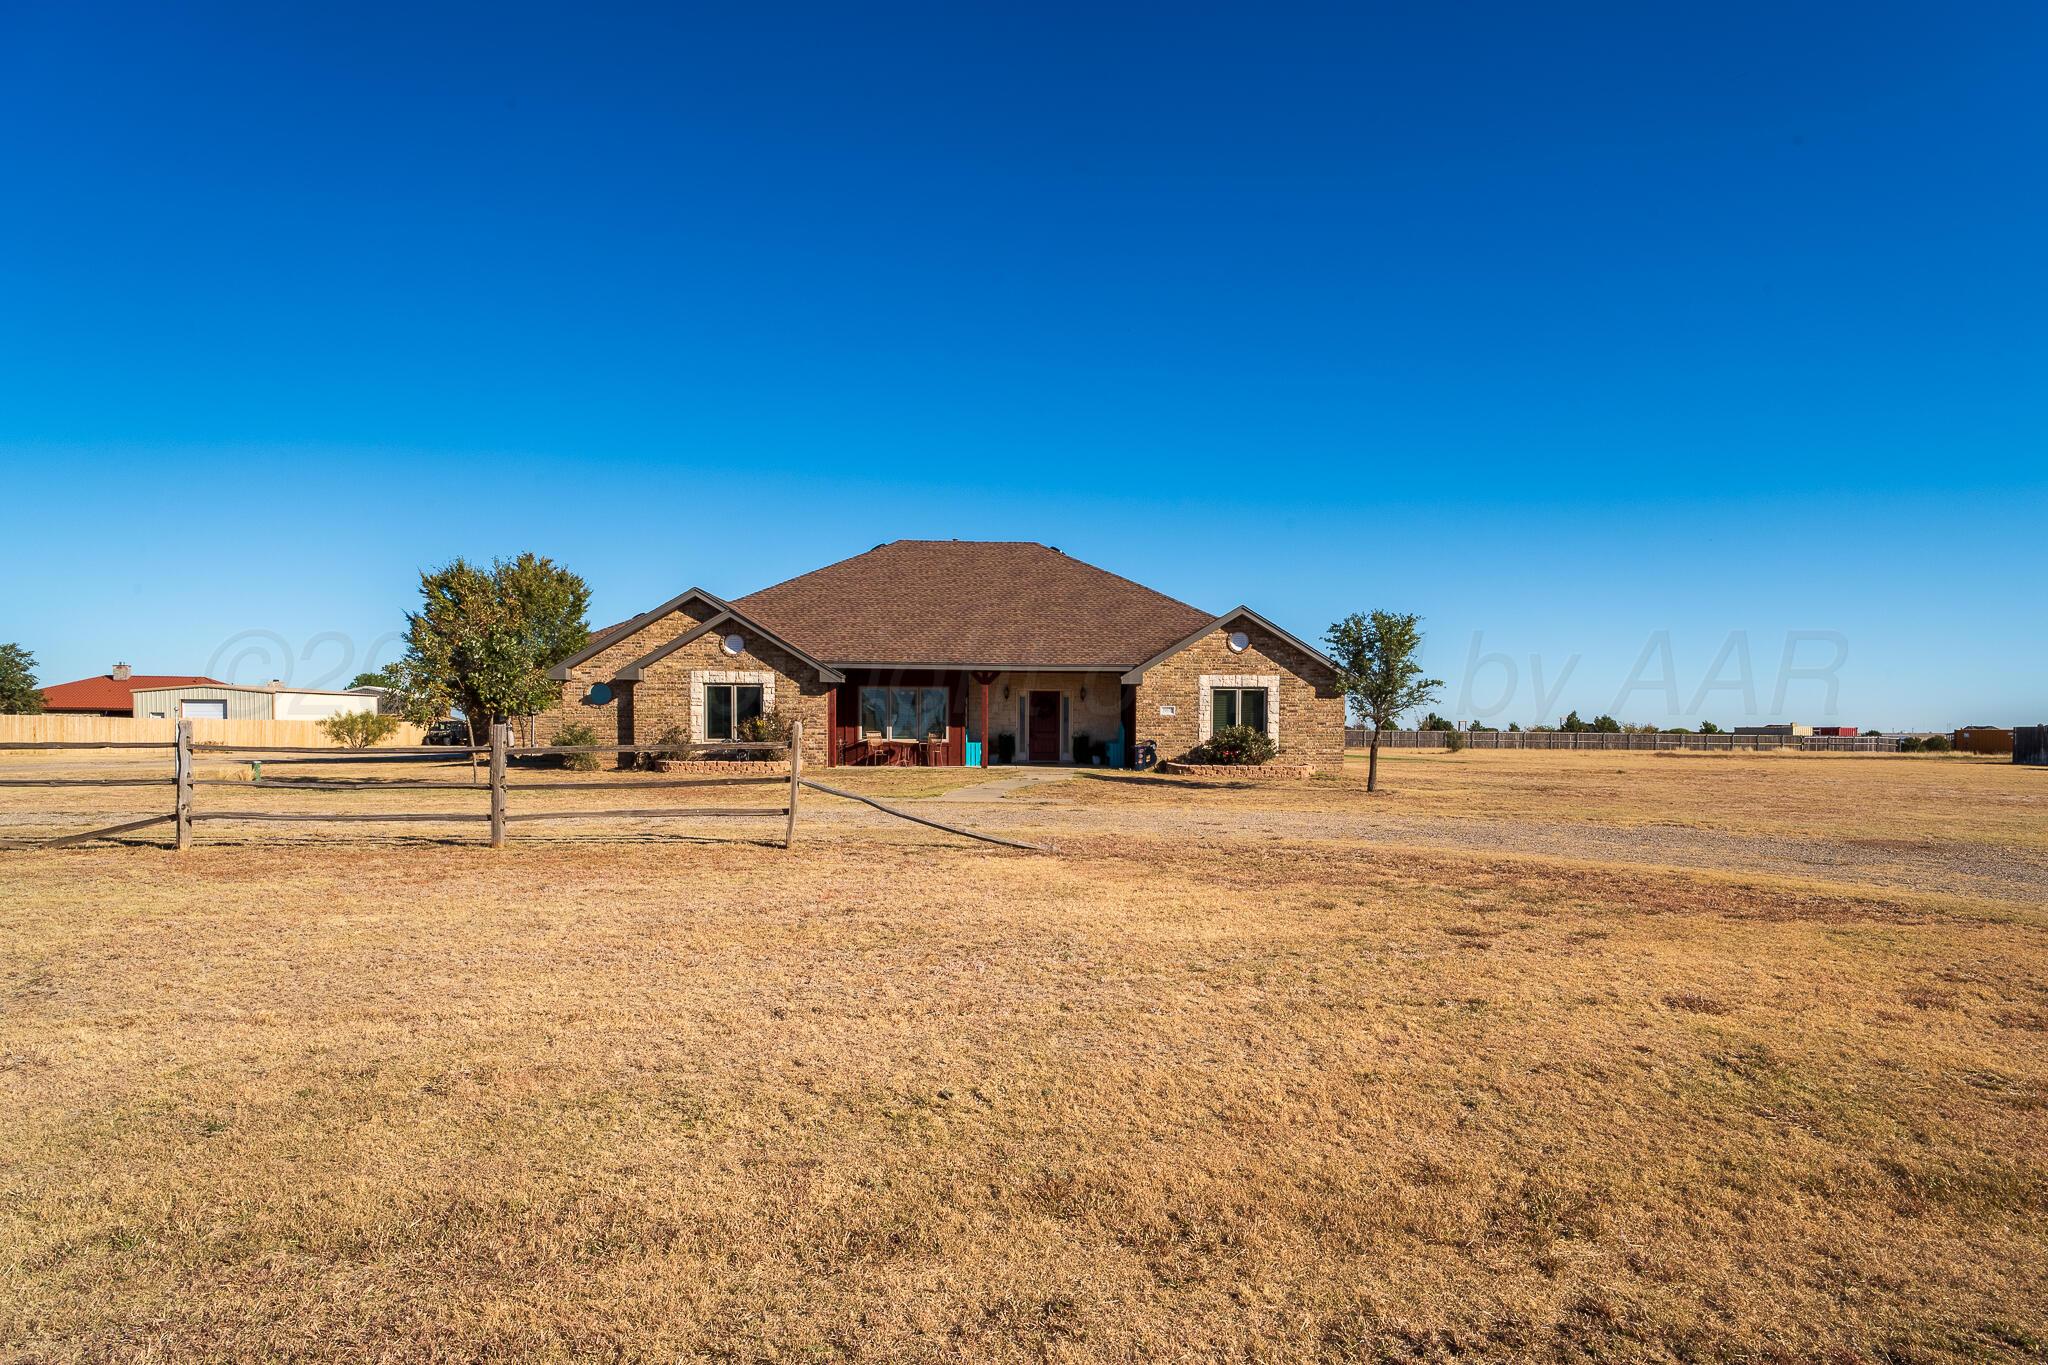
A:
x: 968, y: 602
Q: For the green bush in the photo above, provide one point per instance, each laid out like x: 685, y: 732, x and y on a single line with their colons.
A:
x: 1935, y: 744
x: 1239, y: 744
x: 1454, y: 741
x: 359, y: 729
x: 577, y: 732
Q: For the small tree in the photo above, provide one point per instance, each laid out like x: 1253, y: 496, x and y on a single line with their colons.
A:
x: 383, y: 677
x: 359, y: 729
x: 19, y: 694
x: 1433, y: 721
x: 483, y: 640
x: 1381, y: 679
x: 1708, y: 727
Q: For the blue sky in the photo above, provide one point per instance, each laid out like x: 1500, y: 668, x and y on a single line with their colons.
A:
x: 1579, y: 330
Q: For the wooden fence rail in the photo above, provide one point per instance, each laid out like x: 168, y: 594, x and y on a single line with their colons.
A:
x: 184, y: 814
x: 1356, y: 737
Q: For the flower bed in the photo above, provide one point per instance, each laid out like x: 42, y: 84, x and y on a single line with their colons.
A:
x: 1239, y: 772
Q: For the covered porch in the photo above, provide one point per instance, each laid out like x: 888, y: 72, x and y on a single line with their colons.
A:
x: 980, y: 717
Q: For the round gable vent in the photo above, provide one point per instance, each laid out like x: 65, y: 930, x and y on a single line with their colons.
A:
x: 734, y: 644
x: 1239, y: 642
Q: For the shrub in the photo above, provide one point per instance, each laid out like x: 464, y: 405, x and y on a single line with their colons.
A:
x: 1935, y: 744
x: 1909, y: 745
x: 577, y: 732
x: 770, y: 727
x: 1239, y: 744
x: 359, y: 729
x: 672, y: 738
x: 1454, y: 741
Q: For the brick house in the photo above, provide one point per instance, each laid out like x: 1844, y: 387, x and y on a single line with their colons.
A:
x: 951, y: 652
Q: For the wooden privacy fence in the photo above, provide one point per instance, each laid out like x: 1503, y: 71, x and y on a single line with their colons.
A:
x: 184, y: 780
x: 19, y: 731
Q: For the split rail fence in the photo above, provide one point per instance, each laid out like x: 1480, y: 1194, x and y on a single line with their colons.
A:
x: 1357, y: 738
x: 186, y: 812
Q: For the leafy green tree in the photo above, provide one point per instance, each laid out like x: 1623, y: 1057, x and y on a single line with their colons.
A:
x: 1514, y: 727
x: 1708, y: 727
x: 1433, y: 721
x: 19, y: 693
x: 383, y: 677
x: 1605, y: 725
x: 483, y: 640
x: 1572, y: 725
x: 1381, y: 678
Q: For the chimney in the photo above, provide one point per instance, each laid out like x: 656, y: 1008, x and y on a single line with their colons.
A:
x: 121, y: 672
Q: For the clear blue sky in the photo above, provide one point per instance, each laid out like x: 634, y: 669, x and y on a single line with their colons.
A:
x: 1565, y: 325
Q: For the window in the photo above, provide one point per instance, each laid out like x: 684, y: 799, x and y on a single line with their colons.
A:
x: 903, y: 712
x: 728, y: 706
x: 1238, y: 706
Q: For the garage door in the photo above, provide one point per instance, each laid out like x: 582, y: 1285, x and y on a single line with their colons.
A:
x: 203, y: 710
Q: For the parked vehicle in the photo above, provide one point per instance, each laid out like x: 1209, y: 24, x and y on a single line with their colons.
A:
x: 453, y: 732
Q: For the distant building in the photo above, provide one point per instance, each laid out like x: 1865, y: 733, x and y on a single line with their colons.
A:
x: 111, y: 693
x: 1782, y: 731
x: 1836, y: 731
x: 205, y: 699
x: 1982, y: 739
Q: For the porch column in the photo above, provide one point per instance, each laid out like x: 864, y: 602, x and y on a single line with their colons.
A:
x: 984, y: 679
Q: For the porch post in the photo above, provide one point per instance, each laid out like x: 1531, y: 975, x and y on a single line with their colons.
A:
x: 984, y: 678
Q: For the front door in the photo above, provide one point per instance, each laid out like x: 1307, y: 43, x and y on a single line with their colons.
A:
x: 1045, y: 727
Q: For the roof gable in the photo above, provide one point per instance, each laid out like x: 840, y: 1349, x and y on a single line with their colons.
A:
x: 1240, y: 613
x: 958, y: 603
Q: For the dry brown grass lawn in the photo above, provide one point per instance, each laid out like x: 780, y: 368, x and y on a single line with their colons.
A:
x: 891, y: 1098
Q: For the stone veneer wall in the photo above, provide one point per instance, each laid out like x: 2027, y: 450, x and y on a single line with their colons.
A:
x: 1308, y: 711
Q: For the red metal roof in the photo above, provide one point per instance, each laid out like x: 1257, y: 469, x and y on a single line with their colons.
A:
x: 108, y: 693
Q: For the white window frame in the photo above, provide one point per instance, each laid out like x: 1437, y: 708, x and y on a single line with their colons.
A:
x: 702, y: 678
x: 1211, y: 683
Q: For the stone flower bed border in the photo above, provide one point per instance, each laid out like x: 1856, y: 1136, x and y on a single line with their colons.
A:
x: 1238, y: 772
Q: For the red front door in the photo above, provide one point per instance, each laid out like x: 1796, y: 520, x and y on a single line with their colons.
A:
x: 1045, y: 727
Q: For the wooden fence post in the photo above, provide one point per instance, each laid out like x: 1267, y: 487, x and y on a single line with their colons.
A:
x: 181, y: 768
x: 796, y: 767
x: 498, y: 785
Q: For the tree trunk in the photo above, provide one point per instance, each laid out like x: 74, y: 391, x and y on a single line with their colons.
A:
x: 1372, y: 762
